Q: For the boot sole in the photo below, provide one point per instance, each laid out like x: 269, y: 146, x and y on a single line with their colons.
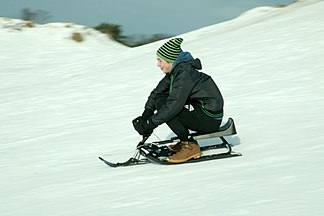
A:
x: 195, y: 156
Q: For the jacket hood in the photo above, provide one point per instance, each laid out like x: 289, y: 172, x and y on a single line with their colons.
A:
x: 196, y: 64
x: 187, y: 57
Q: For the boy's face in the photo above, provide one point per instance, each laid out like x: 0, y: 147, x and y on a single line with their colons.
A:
x: 164, y: 65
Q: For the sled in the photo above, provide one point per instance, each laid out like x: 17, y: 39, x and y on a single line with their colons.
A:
x: 158, y: 152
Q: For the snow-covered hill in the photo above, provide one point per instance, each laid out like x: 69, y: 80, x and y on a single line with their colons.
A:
x: 64, y: 103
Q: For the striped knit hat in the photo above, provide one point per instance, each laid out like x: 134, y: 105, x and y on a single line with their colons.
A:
x: 170, y: 50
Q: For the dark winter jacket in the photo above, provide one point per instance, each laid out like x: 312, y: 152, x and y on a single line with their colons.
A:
x: 184, y: 84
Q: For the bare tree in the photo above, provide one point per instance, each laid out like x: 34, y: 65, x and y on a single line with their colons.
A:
x: 38, y: 16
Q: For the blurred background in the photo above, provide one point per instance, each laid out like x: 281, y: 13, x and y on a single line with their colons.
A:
x: 134, y: 22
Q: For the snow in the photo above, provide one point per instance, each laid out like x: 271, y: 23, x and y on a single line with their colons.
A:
x: 64, y: 103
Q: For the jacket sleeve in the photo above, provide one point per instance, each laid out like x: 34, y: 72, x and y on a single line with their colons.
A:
x: 161, y: 88
x: 179, y: 91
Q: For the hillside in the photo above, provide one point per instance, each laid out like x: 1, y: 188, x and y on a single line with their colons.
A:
x: 64, y: 103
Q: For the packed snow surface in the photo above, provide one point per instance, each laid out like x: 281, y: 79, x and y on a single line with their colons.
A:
x: 64, y: 103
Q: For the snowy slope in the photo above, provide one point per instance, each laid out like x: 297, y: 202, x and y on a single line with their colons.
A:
x: 64, y: 103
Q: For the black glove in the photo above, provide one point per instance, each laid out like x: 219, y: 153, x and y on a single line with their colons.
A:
x: 147, y: 113
x: 143, y: 127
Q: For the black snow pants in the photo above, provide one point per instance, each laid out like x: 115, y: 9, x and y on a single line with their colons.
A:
x: 190, y: 119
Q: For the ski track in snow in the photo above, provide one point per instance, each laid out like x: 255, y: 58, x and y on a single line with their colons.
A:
x: 63, y: 104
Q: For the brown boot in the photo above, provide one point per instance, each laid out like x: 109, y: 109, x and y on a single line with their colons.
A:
x: 189, y: 150
x: 175, y: 147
